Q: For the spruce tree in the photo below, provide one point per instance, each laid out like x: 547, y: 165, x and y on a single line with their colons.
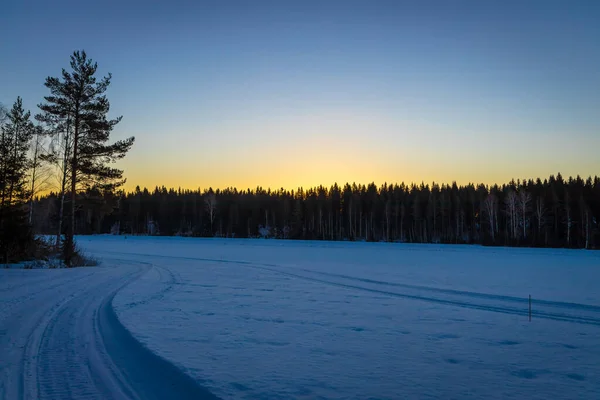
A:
x: 78, y: 98
x: 15, y: 138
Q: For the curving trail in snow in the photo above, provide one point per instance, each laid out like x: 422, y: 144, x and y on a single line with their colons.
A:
x: 255, y: 319
x: 251, y: 319
x: 60, y: 338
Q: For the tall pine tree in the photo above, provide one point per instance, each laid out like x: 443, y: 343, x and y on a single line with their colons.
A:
x: 79, y: 99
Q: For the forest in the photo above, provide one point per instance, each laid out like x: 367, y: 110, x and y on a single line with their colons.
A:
x: 57, y: 178
x: 65, y: 146
x: 551, y: 213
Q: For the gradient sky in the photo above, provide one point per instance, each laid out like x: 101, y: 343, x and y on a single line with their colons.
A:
x: 288, y: 93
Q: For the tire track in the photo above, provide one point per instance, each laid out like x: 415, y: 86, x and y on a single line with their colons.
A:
x: 158, y: 379
x: 34, y: 291
x: 458, y: 303
x: 461, y: 297
x: 167, y: 277
x: 463, y: 293
x: 41, y: 317
x: 68, y: 366
x: 63, y: 340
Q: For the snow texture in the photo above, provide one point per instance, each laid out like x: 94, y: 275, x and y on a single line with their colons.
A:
x: 36, y: 264
x: 60, y: 339
x: 258, y: 319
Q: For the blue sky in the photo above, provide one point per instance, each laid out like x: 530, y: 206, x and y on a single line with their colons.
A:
x: 283, y: 93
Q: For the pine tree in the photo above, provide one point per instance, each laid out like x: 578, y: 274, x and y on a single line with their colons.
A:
x: 78, y: 100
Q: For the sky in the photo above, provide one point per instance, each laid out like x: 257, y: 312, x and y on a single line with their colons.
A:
x: 302, y: 93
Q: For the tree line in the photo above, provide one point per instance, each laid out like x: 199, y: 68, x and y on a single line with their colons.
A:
x: 66, y: 148
x: 550, y: 213
x: 66, y: 143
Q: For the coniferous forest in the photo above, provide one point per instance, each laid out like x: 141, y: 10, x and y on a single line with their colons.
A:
x: 56, y: 179
x: 65, y: 146
x: 555, y: 212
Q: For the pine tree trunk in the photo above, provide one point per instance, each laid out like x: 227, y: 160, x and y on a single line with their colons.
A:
x: 63, y: 188
x: 4, y: 173
x: 12, y: 181
x: 71, y: 233
x: 34, y: 166
x: 60, y: 216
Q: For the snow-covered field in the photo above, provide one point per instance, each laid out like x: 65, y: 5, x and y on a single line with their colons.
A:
x: 255, y: 319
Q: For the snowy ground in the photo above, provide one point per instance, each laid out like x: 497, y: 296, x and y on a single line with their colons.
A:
x: 309, y: 320
x: 60, y: 339
x: 253, y: 319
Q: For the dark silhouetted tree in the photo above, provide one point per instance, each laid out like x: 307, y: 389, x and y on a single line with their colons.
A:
x: 78, y: 101
x: 16, y: 132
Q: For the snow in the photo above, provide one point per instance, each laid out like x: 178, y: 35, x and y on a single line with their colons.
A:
x: 36, y: 264
x: 260, y: 319
x: 254, y: 319
x: 60, y: 339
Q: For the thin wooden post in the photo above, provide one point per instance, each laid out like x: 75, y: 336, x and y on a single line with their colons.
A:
x: 529, y: 308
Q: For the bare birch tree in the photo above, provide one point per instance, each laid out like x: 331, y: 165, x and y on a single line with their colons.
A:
x: 568, y: 217
x: 40, y: 170
x: 510, y: 202
x: 490, y: 207
x: 540, y: 213
x: 585, y: 220
x: 524, y: 208
x: 211, y: 206
x: 59, y: 155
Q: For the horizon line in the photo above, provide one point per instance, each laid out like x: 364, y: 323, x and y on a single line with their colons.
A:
x: 131, y: 188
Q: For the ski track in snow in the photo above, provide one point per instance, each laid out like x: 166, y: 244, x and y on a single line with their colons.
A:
x: 304, y: 320
x: 60, y: 339
x: 167, y: 317
x: 458, y: 298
